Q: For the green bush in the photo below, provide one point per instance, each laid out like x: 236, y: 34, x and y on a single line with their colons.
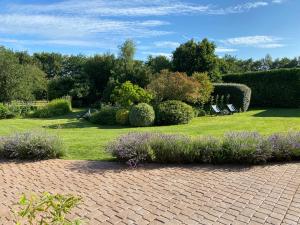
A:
x: 122, y: 117
x: 141, y: 115
x: 31, y: 145
x: 106, y: 116
x: 275, y: 88
x: 56, y: 107
x: 4, y: 112
x: 174, y: 112
x: 239, y: 94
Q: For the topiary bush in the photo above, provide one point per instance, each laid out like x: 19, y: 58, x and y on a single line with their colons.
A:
x: 274, y: 88
x: 141, y: 115
x: 56, y: 107
x: 106, y: 116
x: 31, y: 145
x: 122, y: 117
x: 239, y: 94
x: 174, y: 112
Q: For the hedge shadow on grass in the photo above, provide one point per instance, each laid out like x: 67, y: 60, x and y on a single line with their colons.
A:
x: 82, y: 124
x: 279, y: 113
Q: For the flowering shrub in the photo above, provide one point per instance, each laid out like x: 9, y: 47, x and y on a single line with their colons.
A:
x: 132, y: 148
x: 31, y: 145
x: 234, y: 147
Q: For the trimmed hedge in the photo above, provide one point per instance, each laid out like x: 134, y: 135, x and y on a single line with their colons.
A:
x: 240, y: 95
x: 122, y: 117
x: 275, y: 88
x: 174, y: 112
x: 142, y: 115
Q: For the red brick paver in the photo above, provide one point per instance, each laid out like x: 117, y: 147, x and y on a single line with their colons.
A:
x: 156, y: 194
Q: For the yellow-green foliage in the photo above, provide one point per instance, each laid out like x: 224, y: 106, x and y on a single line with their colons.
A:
x: 122, y: 117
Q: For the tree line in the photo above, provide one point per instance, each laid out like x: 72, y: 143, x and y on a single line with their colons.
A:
x: 91, y: 79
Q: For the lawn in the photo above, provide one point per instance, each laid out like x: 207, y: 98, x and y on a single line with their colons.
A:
x: 87, y: 141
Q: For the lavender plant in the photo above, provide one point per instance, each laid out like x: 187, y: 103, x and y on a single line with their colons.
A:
x: 31, y: 145
x: 132, y: 148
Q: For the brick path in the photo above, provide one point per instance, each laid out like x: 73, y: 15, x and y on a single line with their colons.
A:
x: 113, y: 194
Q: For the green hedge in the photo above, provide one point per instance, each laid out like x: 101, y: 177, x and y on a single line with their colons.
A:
x: 275, y: 88
x: 240, y: 95
x: 142, y: 115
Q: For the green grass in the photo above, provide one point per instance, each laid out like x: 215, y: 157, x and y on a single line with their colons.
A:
x: 86, y: 141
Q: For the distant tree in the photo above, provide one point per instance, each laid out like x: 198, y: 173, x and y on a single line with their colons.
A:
x: 50, y: 63
x: 19, y: 82
x: 158, y: 63
x: 194, y: 56
x: 99, y: 69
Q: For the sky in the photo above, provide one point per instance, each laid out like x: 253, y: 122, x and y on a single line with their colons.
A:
x: 242, y: 28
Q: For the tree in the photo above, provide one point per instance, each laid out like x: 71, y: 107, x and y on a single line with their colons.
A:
x: 99, y: 69
x: 158, y: 63
x: 127, y: 50
x: 193, y: 57
x: 129, y: 94
x: 174, y: 86
x: 19, y: 82
x: 50, y: 63
x: 205, y: 88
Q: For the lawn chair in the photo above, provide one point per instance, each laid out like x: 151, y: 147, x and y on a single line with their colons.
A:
x: 231, y: 108
x: 216, y: 110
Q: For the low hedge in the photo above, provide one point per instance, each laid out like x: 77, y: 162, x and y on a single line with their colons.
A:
x: 239, y: 94
x: 174, y: 112
x: 31, y: 145
x: 57, y: 107
x: 234, y: 147
x: 275, y: 88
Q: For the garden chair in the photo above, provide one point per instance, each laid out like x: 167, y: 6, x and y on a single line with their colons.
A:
x: 231, y: 108
x: 216, y: 110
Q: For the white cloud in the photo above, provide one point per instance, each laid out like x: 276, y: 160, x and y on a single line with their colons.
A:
x: 166, y: 44
x: 225, y: 50
x: 260, y: 41
x: 277, y: 1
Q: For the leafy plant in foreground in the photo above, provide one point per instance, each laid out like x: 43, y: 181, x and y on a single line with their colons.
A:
x: 48, y: 209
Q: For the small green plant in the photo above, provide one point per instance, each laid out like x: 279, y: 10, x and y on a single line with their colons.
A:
x: 48, y: 209
x: 4, y: 112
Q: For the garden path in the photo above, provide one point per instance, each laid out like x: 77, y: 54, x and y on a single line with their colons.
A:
x: 154, y: 194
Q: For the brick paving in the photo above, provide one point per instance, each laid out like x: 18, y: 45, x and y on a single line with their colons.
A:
x: 113, y: 194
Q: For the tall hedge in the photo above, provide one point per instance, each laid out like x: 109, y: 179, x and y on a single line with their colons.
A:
x: 275, y: 88
x: 240, y: 94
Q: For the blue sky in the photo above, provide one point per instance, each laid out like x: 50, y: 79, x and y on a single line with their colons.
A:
x: 244, y: 28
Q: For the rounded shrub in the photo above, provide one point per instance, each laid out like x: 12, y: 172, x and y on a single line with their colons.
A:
x: 122, y: 117
x: 106, y: 116
x: 142, y: 115
x: 174, y: 112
